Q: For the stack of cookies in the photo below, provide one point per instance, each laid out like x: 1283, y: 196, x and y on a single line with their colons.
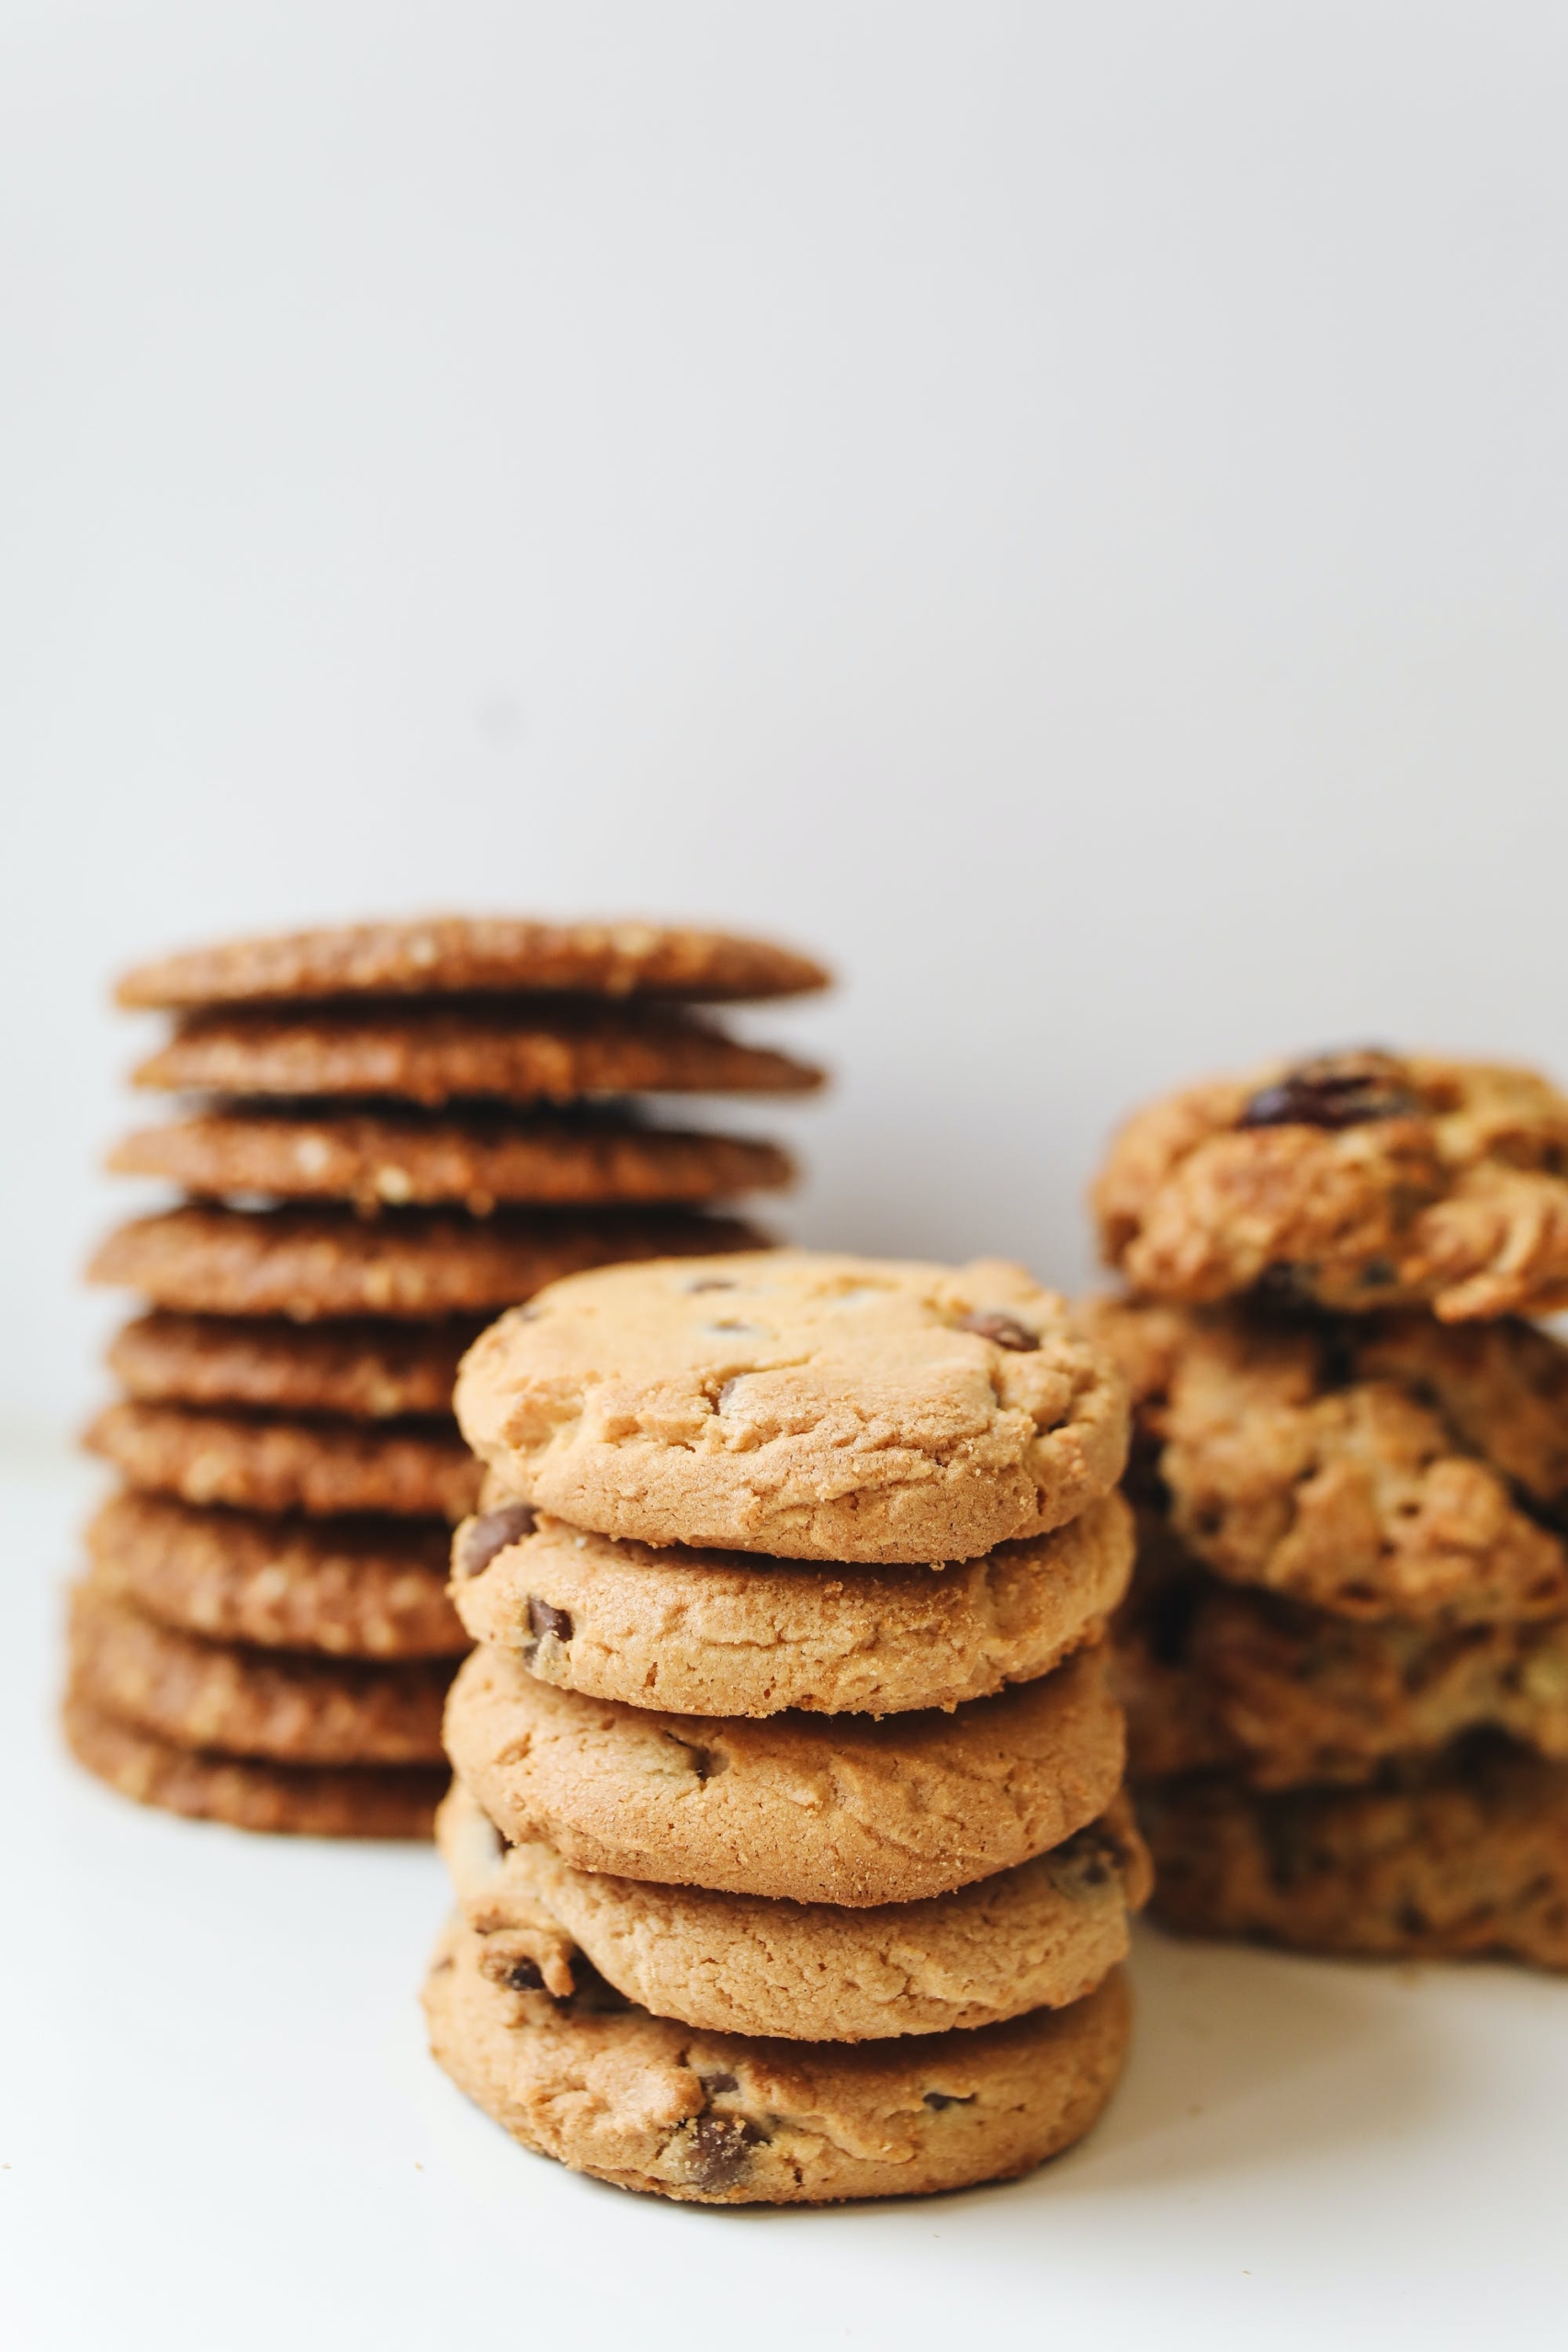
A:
x: 788, y: 1836
x: 404, y: 1127
x: 1345, y: 1659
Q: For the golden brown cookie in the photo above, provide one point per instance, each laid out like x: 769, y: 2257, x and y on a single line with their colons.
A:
x: 812, y: 1406
x: 446, y: 955
x: 1288, y: 1695
x: 1356, y: 1179
x: 433, y: 1054
x: 415, y: 1470
x: 1378, y: 1465
x: 368, y: 1371
x: 301, y: 1800
x: 1451, y: 1858
x: 731, y: 1633
x: 292, y: 1709
x: 1039, y: 1936
x: 724, y: 2120
x: 479, y: 1160
x: 413, y: 1263
x: 849, y: 1810
x: 354, y: 1588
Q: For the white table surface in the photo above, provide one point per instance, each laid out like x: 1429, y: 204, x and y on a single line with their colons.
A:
x: 219, y: 2128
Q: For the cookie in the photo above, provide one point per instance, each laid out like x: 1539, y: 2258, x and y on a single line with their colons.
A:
x: 809, y: 1405
x: 851, y: 1810
x: 1376, y: 1467
x: 727, y: 1633
x: 412, y: 1263
x: 1291, y: 1695
x: 307, y: 1801
x: 366, y: 1371
x: 375, y: 1158
x: 353, y: 1587
x: 1039, y: 1936
x: 1460, y: 1857
x: 1356, y: 1179
x: 294, y: 1710
x: 724, y: 2120
x: 462, y: 955
x: 319, y: 1467
x: 433, y: 1053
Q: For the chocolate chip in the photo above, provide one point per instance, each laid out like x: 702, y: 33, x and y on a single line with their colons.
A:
x: 543, y: 1618
x: 1002, y: 1330
x: 706, y: 1762
x: 949, y: 2098
x: 713, y: 1283
x: 479, y: 1540
x: 715, y: 2084
x: 525, y: 1977
x: 721, y: 2149
x: 1333, y: 1091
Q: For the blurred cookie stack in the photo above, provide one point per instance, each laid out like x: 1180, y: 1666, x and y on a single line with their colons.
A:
x: 403, y: 1128
x: 1346, y: 1660
x: 792, y: 1865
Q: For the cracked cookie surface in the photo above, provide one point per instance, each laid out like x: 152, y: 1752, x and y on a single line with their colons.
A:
x: 805, y: 1405
x: 1356, y: 1179
x: 418, y: 1264
x: 445, y: 954
x: 840, y: 1810
x: 1042, y: 1935
x: 734, y: 1633
x: 728, y: 2120
x: 1379, y: 1466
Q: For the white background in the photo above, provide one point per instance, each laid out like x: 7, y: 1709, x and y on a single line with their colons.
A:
x: 1058, y: 507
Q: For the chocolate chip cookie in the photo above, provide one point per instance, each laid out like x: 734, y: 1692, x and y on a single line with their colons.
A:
x: 366, y: 1371
x: 811, y: 1405
x: 1042, y: 1935
x: 468, y: 955
x: 724, y: 2120
x: 1355, y: 1181
x: 851, y: 1811
x: 252, y: 1462
x: 732, y: 1633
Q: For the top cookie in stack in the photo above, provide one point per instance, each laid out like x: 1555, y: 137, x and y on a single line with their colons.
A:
x: 1347, y: 1660
x: 787, y: 1829
x: 402, y: 1128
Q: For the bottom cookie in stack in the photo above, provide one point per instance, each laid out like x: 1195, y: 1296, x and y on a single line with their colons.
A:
x: 276, y: 1673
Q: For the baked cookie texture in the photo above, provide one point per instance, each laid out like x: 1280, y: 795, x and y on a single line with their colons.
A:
x: 1383, y: 1465
x: 468, y: 955
x: 805, y: 1405
x: 728, y: 2119
x: 317, y: 1466
x: 433, y: 1053
x: 290, y: 1709
x: 287, y: 1800
x: 352, y: 1588
x: 396, y: 1158
x: 1456, y: 1857
x: 418, y: 1264
x: 1355, y: 1181
x: 856, y: 1811
x: 710, y: 1633
x: 366, y: 1371
x: 1039, y: 1936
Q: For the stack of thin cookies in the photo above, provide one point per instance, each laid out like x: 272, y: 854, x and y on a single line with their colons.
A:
x: 406, y: 1127
x: 1345, y: 1659
x: 788, y: 1834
